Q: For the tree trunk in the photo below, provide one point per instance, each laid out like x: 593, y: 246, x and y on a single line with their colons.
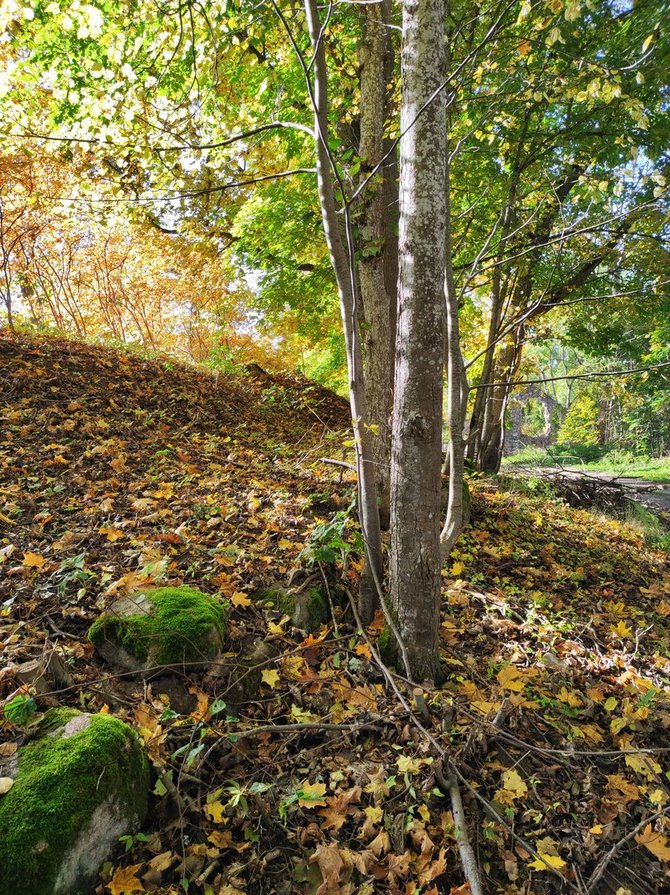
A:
x: 457, y: 393
x: 415, y: 565
x: 497, y: 399
x: 378, y: 303
x: 343, y: 267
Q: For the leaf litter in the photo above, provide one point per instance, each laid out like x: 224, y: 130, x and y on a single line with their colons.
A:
x: 119, y: 472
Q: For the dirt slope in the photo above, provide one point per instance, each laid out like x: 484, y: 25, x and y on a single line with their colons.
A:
x: 117, y: 472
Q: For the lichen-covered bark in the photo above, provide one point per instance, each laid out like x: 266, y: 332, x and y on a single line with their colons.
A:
x: 378, y: 246
x: 417, y: 418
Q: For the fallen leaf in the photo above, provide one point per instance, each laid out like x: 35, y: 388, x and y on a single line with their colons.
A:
x: 330, y: 864
x: 510, y: 678
x: 240, y: 599
x: 33, y: 560
x: 655, y: 842
x: 270, y: 676
x: 125, y: 881
x: 311, y: 795
x: 544, y: 859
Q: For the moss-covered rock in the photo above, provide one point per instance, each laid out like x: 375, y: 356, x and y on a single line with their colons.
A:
x: 308, y: 609
x: 163, y: 626
x: 78, y: 786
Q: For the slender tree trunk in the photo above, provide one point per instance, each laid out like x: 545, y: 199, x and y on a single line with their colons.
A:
x: 378, y: 303
x: 457, y: 393
x: 342, y: 261
x: 417, y: 415
x: 493, y: 430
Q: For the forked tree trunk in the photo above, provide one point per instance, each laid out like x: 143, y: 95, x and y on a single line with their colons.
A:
x: 342, y: 261
x: 377, y: 247
x: 414, y: 571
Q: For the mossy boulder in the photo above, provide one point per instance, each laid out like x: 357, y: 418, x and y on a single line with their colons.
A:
x: 163, y: 626
x: 79, y: 785
x: 308, y: 609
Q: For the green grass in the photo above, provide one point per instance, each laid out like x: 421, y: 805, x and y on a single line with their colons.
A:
x: 590, y: 459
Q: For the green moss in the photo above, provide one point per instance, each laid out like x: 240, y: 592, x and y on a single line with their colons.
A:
x: 311, y: 610
x: 59, y: 785
x: 387, y: 647
x: 178, y: 628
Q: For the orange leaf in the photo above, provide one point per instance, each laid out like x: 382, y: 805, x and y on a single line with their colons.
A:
x: 125, y: 881
x: 33, y: 560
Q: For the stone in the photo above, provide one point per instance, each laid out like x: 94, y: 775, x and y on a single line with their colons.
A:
x: 308, y: 608
x: 160, y: 627
x: 44, y: 675
x: 82, y: 782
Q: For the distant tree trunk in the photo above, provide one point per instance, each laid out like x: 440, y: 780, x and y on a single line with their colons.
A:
x: 414, y: 570
x: 342, y: 262
x: 457, y: 393
x: 497, y: 398
x: 378, y: 246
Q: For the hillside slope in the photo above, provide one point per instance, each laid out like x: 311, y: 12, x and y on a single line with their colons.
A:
x: 117, y: 472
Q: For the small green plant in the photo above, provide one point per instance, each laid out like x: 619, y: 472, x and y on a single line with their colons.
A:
x: 329, y: 542
x: 20, y: 709
x: 129, y: 841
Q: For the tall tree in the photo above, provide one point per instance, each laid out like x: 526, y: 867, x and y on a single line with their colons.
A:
x: 415, y: 566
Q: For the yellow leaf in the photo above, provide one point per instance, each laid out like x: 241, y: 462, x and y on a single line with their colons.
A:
x: 270, y: 676
x: 513, y: 782
x: 274, y: 628
x: 510, y: 678
x: 622, y: 630
x: 552, y: 860
x: 125, y: 881
x: 457, y: 569
x: 657, y: 843
x: 311, y: 795
x: 214, y: 810
x: 240, y: 599
x: 643, y: 764
x: 284, y: 544
x: 569, y: 697
x: 112, y: 534
x: 33, y: 560
x: 596, y: 829
x: 407, y: 765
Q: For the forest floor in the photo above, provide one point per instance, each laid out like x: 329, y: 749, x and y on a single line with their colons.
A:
x: 118, y: 472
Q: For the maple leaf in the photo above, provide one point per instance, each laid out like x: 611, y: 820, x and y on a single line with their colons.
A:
x: 270, y: 676
x: 112, y: 534
x: 125, y: 881
x: 215, y: 811
x: 622, y: 630
x: 513, y: 787
x: 240, y: 599
x: 544, y: 860
x: 33, y: 560
x: 511, y: 678
x: 655, y: 842
x: 310, y: 795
